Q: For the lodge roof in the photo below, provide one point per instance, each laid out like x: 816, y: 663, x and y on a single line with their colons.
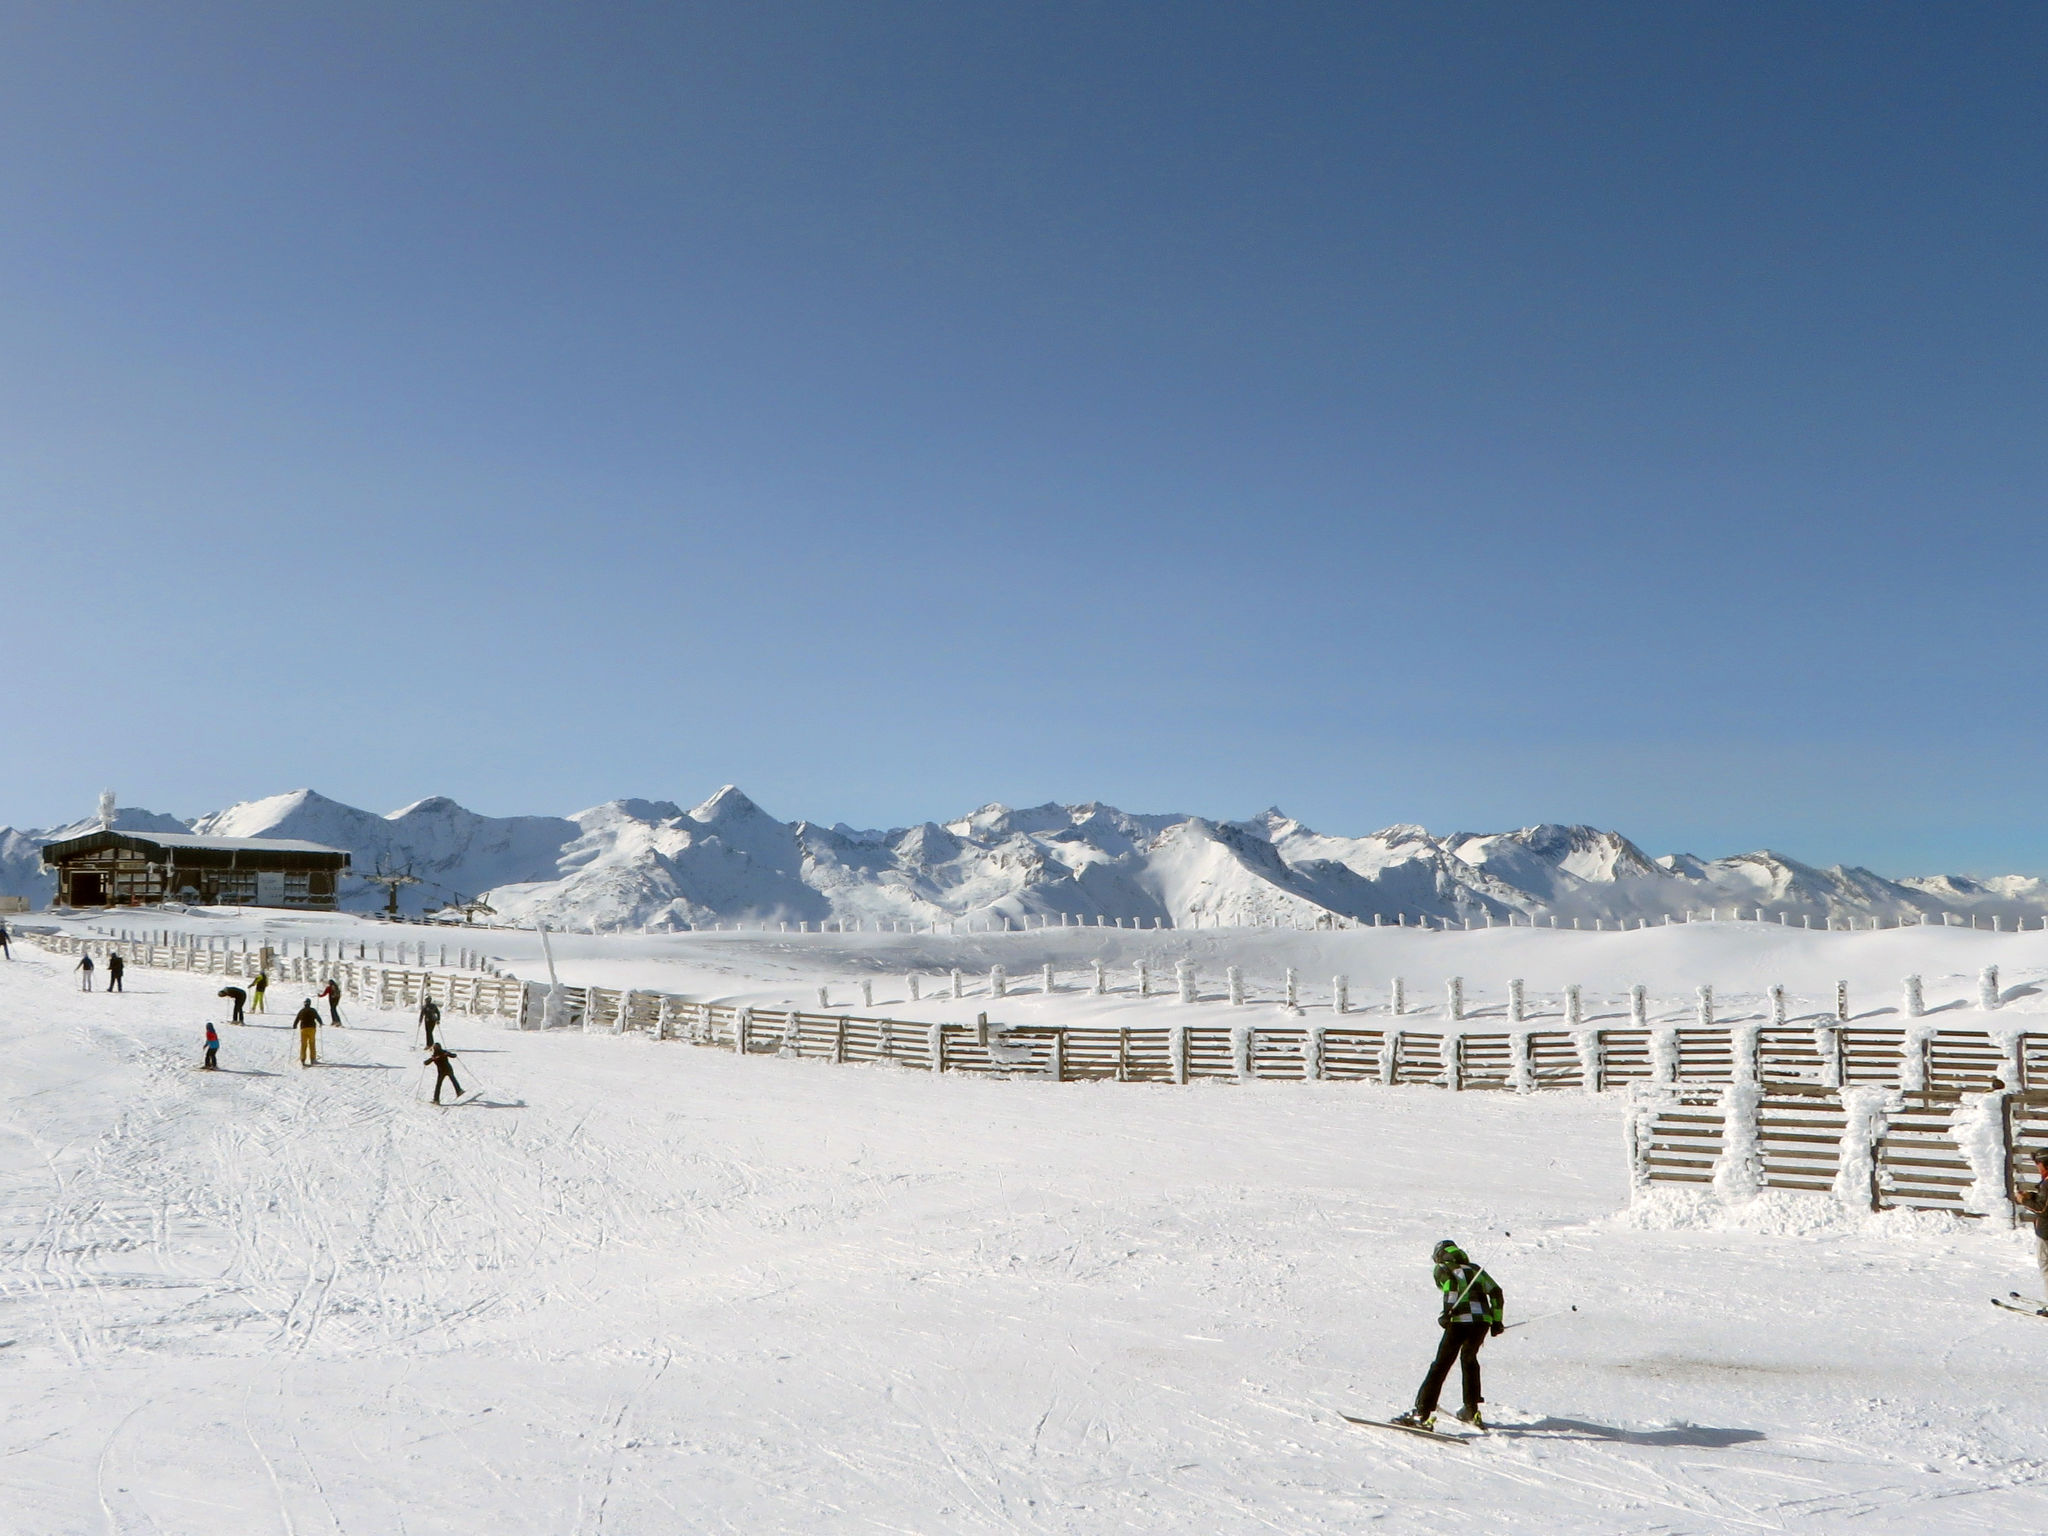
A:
x: 261, y: 852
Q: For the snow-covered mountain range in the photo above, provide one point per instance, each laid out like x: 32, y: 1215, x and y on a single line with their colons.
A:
x: 640, y: 864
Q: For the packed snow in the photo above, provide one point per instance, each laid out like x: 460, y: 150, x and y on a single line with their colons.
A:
x: 634, y: 865
x: 643, y: 1286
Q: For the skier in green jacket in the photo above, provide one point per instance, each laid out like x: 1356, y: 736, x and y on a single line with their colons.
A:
x: 1471, y: 1315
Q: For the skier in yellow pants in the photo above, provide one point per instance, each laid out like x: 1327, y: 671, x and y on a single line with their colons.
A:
x: 308, y: 1020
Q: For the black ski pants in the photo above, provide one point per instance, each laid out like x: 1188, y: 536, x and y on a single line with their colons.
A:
x: 448, y: 1077
x: 1461, y: 1343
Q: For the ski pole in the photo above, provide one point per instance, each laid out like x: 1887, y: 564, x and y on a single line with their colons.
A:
x: 1541, y: 1317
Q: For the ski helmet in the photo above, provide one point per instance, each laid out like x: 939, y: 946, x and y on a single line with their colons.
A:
x: 1447, y: 1252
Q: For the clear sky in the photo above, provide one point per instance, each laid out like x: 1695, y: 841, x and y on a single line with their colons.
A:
x: 1465, y: 414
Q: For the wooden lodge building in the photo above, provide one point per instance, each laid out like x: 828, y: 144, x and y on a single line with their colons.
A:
x: 138, y: 869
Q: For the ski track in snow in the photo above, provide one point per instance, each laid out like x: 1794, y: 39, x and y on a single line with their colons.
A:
x: 649, y: 1287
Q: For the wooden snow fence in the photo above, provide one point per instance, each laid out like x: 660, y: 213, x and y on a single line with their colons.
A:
x: 1869, y: 1057
x: 2026, y: 1132
x: 1682, y: 1141
x: 2033, y: 1055
x: 1484, y: 1062
x: 1354, y: 1055
x: 1705, y: 1055
x: 1791, y: 1053
x: 1419, y: 1058
x: 1918, y: 1164
x: 1625, y: 1057
x: 1967, y: 1060
x: 1799, y: 1131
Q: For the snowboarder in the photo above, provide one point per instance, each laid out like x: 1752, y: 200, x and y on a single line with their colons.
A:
x: 115, y: 966
x: 332, y: 992
x: 430, y: 1019
x: 1471, y: 1315
x: 438, y: 1058
x: 256, y: 985
x: 2035, y: 1202
x: 212, y: 1049
x: 238, y: 997
x: 84, y: 968
x: 308, y: 1020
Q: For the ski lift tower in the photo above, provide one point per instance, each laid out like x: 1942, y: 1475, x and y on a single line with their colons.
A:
x: 392, y: 880
x: 472, y: 909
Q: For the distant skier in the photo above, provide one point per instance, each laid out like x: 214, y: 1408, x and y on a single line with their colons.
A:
x: 308, y: 1020
x: 430, y: 1019
x: 212, y: 1049
x: 332, y: 992
x: 4, y: 948
x: 438, y: 1058
x: 238, y: 997
x: 1471, y: 1315
x: 115, y: 967
x: 2035, y: 1202
x: 84, y: 969
x: 256, y: 985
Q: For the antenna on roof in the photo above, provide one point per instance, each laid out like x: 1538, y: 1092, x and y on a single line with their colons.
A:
x: 106, y: 810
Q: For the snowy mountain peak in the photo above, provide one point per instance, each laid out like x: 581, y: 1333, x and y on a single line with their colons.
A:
x: 729, y: 804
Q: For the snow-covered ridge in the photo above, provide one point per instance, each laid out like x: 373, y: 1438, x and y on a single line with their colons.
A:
x: 649, y: 864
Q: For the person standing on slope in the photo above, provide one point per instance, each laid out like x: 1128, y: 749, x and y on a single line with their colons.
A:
x: 308, y: 1020
x: 115, y: 967
x: 430, y: 1018
x: 332, y: 992
x: 212, y: 1049
x: 256, y: 985
x: 2035, y: 1202
x: 84, y: 969
x: 4, y: 948
x: 1471, y: 1315
x: 438, y: 1058
x: 238, y: 997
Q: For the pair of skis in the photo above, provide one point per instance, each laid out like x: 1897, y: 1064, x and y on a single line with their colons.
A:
x: 2019, y: 1304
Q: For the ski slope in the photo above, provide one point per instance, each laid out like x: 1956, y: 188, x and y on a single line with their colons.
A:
x: 646, y: 1287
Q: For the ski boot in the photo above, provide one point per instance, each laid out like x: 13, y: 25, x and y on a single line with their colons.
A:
x: 1469, y: 1414
x: 1414, y: 1419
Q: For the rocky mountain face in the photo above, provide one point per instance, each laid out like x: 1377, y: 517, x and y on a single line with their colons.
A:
x: 649, y: 864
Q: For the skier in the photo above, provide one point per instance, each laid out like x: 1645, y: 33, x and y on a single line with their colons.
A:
x: 332, y: 992
x: 438, y: 1058
x: 1471, y: 1315
x: 256, y: 985
x: 84, y: 968
x: 4, y: 947
x: 308, y: 1020
x: 115, y: 966
x: 238, y: 997
x: 212, y: 1049
x: 430, y: 1018
x: 2035, y: 1202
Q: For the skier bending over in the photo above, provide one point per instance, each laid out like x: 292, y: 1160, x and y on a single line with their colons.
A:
x: 115, y: 967
x: 438, y: 1058
x: 430, y: 1019
x: 332, y: 992
x: 84, y: 968
x: 308, y: 1020
x: 2035, y: 1202
x: 1471, y: 1315
x: 212, y: 1049
x: 238, y: 997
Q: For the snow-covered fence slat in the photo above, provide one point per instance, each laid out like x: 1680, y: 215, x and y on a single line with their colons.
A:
x: 1483, y: 1062
x: 1284, y: 1054
x: 1789, y: 1053
x: 1625, y: 1057
x: 1919, y: 1165
x: 2032, y: 1051
x: 1354, y: 1055
x: 1554, y: 1060
x: 1799, y: 1130
x: 1091, y: 1055
x: 1681, y: 1138
x: 1419, y: 1058
x: 1210, y: 1053
x: 1705, y: 1055
x: 1872, y: 1057
x: 1967, y: 1060
x: 1001, y: 1053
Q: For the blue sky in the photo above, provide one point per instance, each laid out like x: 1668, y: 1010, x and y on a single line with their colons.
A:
x: 1470, y: 415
